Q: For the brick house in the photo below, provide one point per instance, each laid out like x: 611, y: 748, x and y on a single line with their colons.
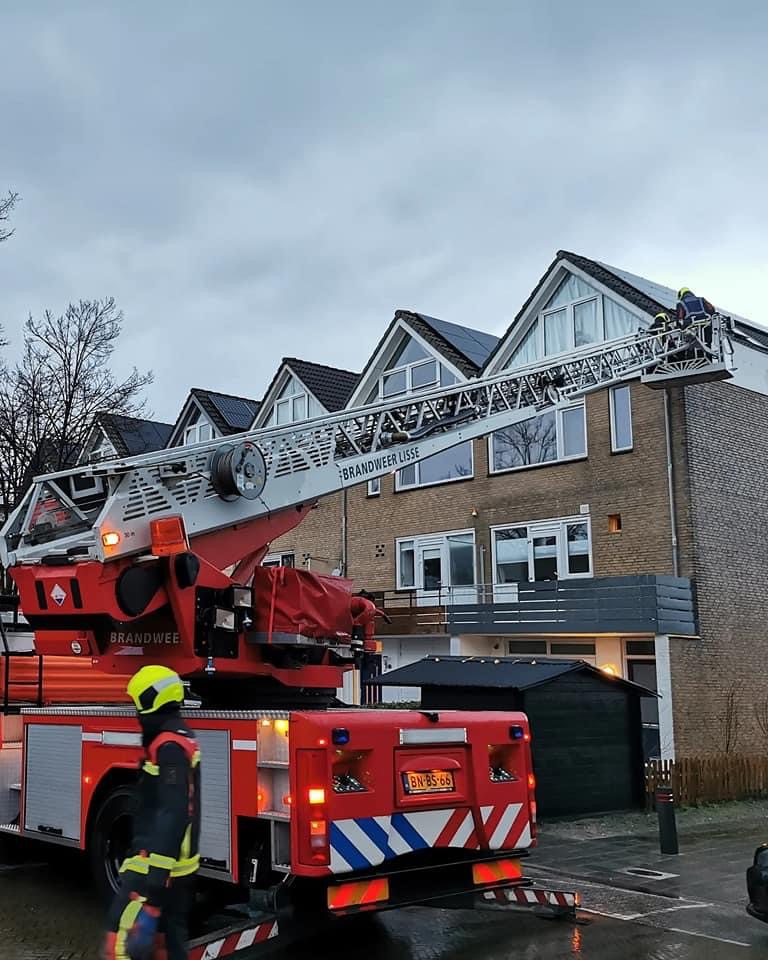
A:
x: 624, y: 529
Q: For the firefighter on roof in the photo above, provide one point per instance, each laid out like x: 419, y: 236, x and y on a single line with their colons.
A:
x: 148, y: 919
x: 693, y: 311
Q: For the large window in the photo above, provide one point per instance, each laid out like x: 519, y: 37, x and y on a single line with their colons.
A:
x: 621, y: 418
x: 293, y: 404
x: 544, y: 550
x: 547, y: 438
x: 576, y: 315
x: 440, y: 567
x: 452, y: 464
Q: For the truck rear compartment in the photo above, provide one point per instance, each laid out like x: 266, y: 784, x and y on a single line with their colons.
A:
x: 319, y: 798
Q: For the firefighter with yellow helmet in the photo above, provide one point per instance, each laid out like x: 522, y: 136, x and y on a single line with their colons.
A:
x: 148, y: 919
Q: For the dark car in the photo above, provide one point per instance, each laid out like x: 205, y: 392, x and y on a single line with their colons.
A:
x: 757, y: 884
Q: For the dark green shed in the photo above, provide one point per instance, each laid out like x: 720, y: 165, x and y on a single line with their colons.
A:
x: 585, y: 725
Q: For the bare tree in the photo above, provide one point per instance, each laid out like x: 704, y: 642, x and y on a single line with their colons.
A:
x: 49, y: 399
x: 730, y: 717
x: 526, y: 443
x: 7, y: 204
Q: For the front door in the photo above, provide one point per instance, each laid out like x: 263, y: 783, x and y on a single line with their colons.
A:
x: 430, y: 573
x: 542, y: 558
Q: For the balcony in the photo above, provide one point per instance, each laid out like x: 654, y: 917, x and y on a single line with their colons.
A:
x: 645, y: 604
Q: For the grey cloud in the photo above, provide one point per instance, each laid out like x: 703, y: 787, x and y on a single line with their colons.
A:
x: 259, y: 180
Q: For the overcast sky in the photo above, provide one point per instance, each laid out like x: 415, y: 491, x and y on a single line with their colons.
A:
x: 253, y: 180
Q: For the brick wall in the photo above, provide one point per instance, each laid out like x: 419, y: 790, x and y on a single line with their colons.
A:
x: 632, y: 484
x: 317, y: 538
x: 728, y: 494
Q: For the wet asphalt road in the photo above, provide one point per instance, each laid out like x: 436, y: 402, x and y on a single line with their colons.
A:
x: 48, y: 912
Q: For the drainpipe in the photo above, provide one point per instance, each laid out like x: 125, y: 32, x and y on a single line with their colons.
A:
x: 671, y: 484
x: 344, y: 532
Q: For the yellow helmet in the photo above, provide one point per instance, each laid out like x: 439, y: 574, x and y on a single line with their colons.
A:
x: 682, y: 291
x: 662, y: 316
x: 154, y: 687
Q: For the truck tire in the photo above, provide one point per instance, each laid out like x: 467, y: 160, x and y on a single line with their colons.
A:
x: 110, y: 838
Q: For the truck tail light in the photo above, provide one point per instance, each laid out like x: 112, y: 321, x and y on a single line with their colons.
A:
x: 532, y: 803
x: 312, y: 772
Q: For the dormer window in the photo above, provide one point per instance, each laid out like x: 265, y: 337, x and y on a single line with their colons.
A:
x: 409, y: 370
x: 293, y: 404
x: 575, y: 316
x: 198, y: 432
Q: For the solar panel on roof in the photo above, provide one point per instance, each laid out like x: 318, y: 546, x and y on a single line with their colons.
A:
x: 476, y: 345
x: 237, y: 413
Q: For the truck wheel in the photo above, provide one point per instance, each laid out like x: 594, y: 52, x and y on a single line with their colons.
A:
x: 110, y: 838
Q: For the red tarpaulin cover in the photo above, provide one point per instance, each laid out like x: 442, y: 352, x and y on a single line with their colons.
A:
x: 296, y: 601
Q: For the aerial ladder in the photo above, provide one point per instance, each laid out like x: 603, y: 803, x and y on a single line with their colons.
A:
x: 87, y: 546
x: 158, y: 558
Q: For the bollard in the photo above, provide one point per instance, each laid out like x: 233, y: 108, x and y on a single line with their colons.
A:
x: 665, y: 807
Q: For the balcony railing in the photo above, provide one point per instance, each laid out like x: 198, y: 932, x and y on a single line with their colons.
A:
x: 644, y: 604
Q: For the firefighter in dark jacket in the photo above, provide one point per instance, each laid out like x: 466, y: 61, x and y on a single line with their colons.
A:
x: 148, y: 919
x: 692, y: 310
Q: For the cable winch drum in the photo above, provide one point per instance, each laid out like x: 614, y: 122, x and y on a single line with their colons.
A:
x: 238, y: 470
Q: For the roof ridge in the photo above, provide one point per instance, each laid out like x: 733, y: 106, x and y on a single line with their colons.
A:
x: 127, y: 416
x: 314, y: 363
x: 220, y: 393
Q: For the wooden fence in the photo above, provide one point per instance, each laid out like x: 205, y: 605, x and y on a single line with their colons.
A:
x: 696, y: 780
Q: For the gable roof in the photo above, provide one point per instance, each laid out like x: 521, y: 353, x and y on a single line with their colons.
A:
x: 464, y: 348
x: 132, y: 435
x: 331, y: 386
x: 646, y: 295
x: 517, y: 673
x: 228, y: 413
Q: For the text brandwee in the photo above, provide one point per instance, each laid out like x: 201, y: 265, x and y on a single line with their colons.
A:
x: 138, y: 639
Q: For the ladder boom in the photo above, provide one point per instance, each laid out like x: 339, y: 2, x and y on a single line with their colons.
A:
x: 102, y: 511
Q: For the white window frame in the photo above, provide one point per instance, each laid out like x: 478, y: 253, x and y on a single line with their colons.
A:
x: 398, y: 543
x: 425, y: 539
x: 407, y: 369
x: 288, y: 401
x: 374, y: 487
x: 570, y: 314
x: 532, y: 526
x: 400, y: 487
x: 276, y: 559
x: 560, y: 458
x: 611, y: 395
x: 192, y: 433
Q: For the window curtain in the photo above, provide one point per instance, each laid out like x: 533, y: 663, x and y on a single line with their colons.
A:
x: 618, y: 321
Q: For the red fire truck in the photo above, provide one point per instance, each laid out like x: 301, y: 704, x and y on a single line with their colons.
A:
x: 308, y: 807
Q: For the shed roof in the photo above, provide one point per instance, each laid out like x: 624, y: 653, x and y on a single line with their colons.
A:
x: 515, y: 673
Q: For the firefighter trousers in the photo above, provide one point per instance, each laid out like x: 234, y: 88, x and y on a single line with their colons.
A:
x: 171, y: 942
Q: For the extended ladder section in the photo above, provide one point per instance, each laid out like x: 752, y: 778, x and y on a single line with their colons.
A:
x: 103, y: 511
